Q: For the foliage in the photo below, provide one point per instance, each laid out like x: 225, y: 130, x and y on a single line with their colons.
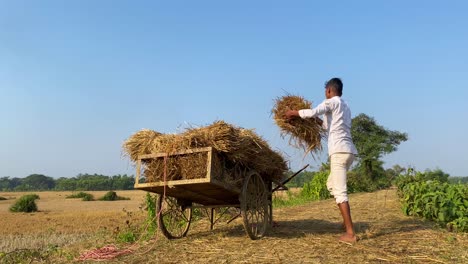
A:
x: 463, y: 180
x: 127, y: 236
x: 316, y: 189
x: 112, y: 196
x: 373, y: 141
x: 150, y: 203
x: 131, y: 232
x: 436, y: 175
x: 95, y: 182
x: 83, y: 195
x: 26, y: 203
x: 446, y: 204
x: 82, y: 182
x: 300, y: 179
x: 292, y: 200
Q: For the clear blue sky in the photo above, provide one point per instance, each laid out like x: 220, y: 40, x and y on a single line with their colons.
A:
x: 78, y: 77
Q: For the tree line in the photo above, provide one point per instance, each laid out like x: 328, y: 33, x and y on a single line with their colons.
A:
x: 82, y: 182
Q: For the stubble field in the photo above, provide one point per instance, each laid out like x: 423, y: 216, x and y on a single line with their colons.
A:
x: 62, y: 221
x: 303, y: 234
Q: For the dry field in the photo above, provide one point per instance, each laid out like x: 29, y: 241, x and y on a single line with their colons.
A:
x: 305, y: 234
x: 63, y: 221
x: 308, y: 234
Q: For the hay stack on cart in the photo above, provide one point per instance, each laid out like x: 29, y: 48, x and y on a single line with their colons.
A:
x: 217, y: 166
x: 237, y: 149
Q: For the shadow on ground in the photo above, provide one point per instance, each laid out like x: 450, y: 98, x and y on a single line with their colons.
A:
x: 286, y: 229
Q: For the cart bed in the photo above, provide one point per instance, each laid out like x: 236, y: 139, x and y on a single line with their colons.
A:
x: 206, y: 191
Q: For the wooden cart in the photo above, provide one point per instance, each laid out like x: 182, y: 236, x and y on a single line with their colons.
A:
x: 178, y: 198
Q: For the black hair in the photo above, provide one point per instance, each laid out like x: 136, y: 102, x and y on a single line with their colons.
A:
x: 336, y: 85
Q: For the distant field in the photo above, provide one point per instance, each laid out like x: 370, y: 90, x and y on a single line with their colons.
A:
x: 62, y: 221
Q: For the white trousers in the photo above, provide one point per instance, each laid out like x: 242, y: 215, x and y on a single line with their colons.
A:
x: 336, y: 183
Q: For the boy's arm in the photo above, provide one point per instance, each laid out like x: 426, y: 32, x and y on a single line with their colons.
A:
x: 321, y: 109
x: 309, y: 113
x: 293, y: 113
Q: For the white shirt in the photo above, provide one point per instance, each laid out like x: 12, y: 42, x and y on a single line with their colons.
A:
x: 337, y: 121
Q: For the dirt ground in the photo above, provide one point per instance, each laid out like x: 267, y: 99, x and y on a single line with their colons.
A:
x: 308, y: 234
x: 305, y: 234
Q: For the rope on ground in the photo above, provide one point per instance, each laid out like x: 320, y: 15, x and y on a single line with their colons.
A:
x: 105, y: 253
x: 111, y: 251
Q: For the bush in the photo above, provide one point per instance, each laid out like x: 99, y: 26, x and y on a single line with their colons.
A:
x: 26, y: 203
x: 316, y: 189
x: 112, y: 196
x: 444, y: 203
x: 83, y: 195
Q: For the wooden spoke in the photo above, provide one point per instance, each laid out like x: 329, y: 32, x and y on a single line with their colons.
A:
x: 174, y: 219
x: 254, y: 206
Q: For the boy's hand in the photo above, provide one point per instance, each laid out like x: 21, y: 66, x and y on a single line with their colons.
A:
x: 290, y: 114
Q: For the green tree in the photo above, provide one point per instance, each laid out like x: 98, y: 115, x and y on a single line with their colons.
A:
x: 4, y: 183
x: 436, y: 175
x: 37, y: 182
x: 300, y: 179
x: 373, y: 141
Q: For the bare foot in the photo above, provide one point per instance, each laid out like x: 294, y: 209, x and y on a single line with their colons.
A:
x: 348, y: 239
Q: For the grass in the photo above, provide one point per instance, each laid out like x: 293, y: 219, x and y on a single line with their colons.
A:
x: 83, y: 195
x: 288, y: 198
x: 112, y: 196
x: 25, y: 204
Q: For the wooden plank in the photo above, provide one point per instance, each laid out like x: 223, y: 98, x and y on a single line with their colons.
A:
x: 216, y: 206
x: 138, y: 173
x: 182, y: 152
x: 209, y: 164
x: 171, y: 183
x: 193, y: 197
x: 227, y: 187
x: 201, y: 196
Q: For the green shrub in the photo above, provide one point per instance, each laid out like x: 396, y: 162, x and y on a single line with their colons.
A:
x: 444, y: 203
x: 127, y: 237
x: 292, y: 200
x: 26, y: 203
x: 150, y: 201
x: 83, y: 195
x: 112, y: 196
x: 316, y: 189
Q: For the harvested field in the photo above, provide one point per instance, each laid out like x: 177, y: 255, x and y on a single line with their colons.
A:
x: 305, y: 234
x: 308, y: 234
x: 63, y: 221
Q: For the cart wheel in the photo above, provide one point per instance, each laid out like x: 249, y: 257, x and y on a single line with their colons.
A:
x: 254, y: 206
x: 175, y: 217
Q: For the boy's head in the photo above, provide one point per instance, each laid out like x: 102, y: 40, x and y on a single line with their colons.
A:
x: 334, y: 87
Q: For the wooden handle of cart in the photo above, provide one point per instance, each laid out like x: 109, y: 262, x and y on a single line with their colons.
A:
x: 289, y: 179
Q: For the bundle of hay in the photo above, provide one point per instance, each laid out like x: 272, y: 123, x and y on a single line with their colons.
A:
x: 304, y: 133
x: 238, y: 150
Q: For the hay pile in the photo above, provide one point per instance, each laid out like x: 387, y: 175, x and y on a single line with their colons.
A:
x: 304, y: 133
x: 238, y: 150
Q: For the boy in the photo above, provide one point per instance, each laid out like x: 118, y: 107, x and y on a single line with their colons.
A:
x: 341, y: 150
